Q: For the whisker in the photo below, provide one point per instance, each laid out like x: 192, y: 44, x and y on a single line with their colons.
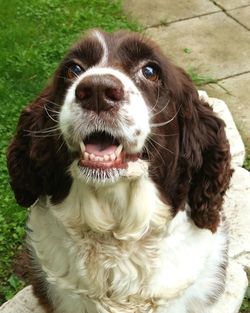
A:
x: 161, y: 145
x: 53, y: 111
x: 49, y: 114
x: 162, y: 109
x: 165, y: 135
x: 49, y: 130
x: 157, y: 99
x: 153, y: 146
x: 148, y: 152
x: 63, y: 142
x: 166, y: 122
x: 47, y: 100
x: 40, y: 136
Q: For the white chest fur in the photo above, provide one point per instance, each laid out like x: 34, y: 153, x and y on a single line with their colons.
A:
x: 118, y: 250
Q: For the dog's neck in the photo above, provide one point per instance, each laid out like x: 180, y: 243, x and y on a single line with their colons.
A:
x: 127, y: 209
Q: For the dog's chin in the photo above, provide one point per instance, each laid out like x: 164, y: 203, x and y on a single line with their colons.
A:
x: 99, y: 175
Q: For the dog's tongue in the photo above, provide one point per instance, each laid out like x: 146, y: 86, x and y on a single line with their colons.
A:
x: 100, y: 149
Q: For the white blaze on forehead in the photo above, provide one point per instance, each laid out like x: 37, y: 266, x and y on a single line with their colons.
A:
x: 103, y: 43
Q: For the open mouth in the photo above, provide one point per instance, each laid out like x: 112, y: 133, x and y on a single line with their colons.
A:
x: 101, y: 150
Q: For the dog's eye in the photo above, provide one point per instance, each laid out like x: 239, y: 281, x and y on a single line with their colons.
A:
x: 150, y: 73
x: 74, y: 71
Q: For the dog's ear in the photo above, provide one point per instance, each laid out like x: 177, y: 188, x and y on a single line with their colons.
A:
x: 204, y: 154
x: 33, y: 158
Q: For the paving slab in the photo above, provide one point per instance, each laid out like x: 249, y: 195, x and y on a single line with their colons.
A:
x: 148, y: 12
x: 23, y: 302
x: 238, y: 217
x: 218, y: 46
x: 242, y: 15
x: 232, y: 4
x: 235, y: 288
x: 236, y: 96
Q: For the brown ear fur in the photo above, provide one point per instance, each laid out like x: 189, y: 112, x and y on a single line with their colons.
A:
x: 192, y: 163
x: 36, y: 160
x: 205, y: 151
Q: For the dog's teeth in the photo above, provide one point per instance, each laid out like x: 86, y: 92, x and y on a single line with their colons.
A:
x: 118, y: 150
x: 96, y: 158
x: 106, y: 157
x: 82, y: 147
x: 112, y: 157
x: 86, y: 156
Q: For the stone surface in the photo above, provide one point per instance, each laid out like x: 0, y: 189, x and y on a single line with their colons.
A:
x: 235, y: 288
x: 23, y: 302
x: 157, y: 12
x: 237, y: 211
x: 232, y: 4
x: 242, y: 15
x: 210, y: 40
x: 236, y: 96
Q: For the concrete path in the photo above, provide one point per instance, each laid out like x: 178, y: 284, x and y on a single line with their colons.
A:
x: 209, y: 37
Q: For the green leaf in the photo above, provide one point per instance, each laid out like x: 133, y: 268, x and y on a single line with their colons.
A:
x: 187, y: 50
x: 14, y: 282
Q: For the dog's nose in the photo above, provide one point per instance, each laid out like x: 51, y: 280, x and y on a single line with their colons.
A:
x: 100, y: 92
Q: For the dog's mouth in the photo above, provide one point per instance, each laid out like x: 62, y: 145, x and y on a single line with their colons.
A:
x: 103, y: 151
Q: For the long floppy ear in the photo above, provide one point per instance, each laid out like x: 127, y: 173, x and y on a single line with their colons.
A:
x: 205, y: 153
x: 35, y: 164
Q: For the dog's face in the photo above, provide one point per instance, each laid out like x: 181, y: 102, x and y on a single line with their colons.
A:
x: 116, y: 100
x: 112, y: 97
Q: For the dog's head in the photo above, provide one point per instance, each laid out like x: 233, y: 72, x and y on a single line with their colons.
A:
x: 115, y: 100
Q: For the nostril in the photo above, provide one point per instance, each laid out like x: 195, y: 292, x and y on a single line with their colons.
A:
x: 83, y: 93
x: 114, y: 94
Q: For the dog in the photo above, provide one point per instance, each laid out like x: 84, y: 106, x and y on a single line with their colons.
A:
x: 124, y: 169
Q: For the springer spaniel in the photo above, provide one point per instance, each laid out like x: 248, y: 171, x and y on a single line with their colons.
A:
x: 125, y: 170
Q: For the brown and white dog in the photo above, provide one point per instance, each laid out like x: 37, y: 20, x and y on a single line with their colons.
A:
x: 125, y: 170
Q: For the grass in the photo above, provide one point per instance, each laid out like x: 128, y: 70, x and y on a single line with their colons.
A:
x: 35, y: 34
x: 247, y: 163
x: 197, y: 78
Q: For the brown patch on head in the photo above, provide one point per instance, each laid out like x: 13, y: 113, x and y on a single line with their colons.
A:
x: 137, y: 132
x: 89, y: 51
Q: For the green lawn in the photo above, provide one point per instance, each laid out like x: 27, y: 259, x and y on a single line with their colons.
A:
x: 34, y: 36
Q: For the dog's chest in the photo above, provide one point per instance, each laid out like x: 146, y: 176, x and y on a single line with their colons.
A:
x: 94, y: 271
x: 113, y: 268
